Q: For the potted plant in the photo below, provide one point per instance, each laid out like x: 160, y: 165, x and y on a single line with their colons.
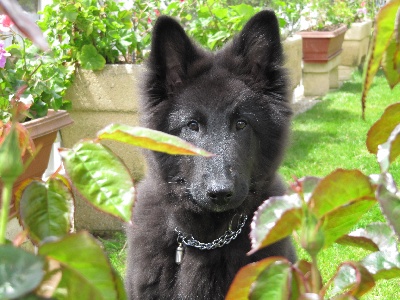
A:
x: 31, y: 85
x: 357, y: 38
x: 324, y: 26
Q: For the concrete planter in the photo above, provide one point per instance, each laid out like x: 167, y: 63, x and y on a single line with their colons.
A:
x: 355, y: 47
x: 292, y: 48
x: 100, y: 98
x: 321, y: 55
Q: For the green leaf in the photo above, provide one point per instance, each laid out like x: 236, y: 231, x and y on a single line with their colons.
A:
x: 375, y: 237
x: 149, y: 139
x: 339, y: 188
x: 353, y: 279
x: 46, y: 209
x: 390, y: 63
x: 341, y: 220
x: 240, y: 287
x: 274, y: 220
x: 90, y: 59
x: 380, y: 132
x: 388, y: 152
x: 101, y: 177
x: 86, y: 271
x: 390, y: 205
x: 383, y: 265
x: 273, y: 283
x: 11, y: 165
x: 383, y: 34
x: 20, y: 272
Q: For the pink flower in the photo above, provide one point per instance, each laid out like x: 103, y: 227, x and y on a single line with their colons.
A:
x: 148, y: 20
x: 3, y: 55
x: 157, y: 12
x: 5, y: 23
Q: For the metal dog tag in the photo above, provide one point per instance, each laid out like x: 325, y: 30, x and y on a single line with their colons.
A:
x: 179, y: 254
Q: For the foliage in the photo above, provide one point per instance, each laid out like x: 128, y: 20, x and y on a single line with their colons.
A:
x: 211, y: 22
x: 325, y: 15
x: 322, y: 212
x: 40, y: 78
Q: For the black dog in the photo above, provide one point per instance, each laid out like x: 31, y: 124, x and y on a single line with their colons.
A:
x: 233, y: 103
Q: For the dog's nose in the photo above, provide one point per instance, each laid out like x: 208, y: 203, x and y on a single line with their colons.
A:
x: 220, y: 195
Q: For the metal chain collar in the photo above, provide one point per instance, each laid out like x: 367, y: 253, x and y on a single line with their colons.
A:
x: 223, y: 240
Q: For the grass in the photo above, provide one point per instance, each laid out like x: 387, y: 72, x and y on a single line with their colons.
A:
x: 331, y: 135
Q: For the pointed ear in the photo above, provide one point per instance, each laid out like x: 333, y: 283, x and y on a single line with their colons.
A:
x: 256, y: 52
x: 172, y: 53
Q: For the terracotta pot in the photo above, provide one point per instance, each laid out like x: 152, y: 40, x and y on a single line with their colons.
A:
x: 322, y: 46
x: 43, y: 131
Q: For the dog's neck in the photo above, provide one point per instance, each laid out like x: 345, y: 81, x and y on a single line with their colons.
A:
x: 187, y: 240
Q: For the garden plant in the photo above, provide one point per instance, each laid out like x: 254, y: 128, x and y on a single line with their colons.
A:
x: 72, y: 265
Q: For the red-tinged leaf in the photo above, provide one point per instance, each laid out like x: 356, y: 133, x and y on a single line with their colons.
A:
x: 339, y: 188
x: 305, y: 186
x: 383, y: 34
x: 20, y: 272
x: 352, y: 279
x: 374, y: 237
x: 390, y: 205
x: 87, y: 273
x: 100, y: 177
x: 388, y: 152
x: 273, y: 283
x: 46, y: 210
x: 380, y: 132
x: 390, y: 62
x: 241, y: 285
x: 302, y: 274
x: 341, y: 220
x: 24, y: 22
x: 383, y: 265
x: 150, y: 139
x: 274, y: 220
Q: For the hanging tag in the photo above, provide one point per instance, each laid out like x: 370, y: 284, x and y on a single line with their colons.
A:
x: 179, y: 254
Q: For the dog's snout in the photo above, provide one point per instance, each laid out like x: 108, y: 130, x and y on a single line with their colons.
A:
x: 220, y: 195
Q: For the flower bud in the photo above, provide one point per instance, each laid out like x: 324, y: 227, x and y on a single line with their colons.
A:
x: 11, y: 165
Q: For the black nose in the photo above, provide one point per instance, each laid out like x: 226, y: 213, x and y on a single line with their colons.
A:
x: 220, y: 195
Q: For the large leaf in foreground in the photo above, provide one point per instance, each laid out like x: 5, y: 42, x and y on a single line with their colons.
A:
x: 383, y: 265
x: 87, y: 273
x: 339, y: 188
x: 343, y: 219
x: 46, y: 209
x: 374, y: 237
x: 150, y: 139
x: 241, y: 285
x: 383, y: 34
x: 100, y: 177
x: 353, y: 278
x: 390, y: 204
x: 380, y: 132
x: 20, y: 272
x: 273, y: 283
x: 274, y: 220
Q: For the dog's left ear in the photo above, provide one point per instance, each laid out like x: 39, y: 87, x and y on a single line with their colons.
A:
x: 257, y: 50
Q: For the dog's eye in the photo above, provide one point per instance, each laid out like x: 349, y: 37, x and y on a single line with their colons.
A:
x: 193, y: 125
x: 241, y: 124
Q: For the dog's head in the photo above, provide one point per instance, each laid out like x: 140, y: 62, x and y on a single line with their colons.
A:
x: 232, y: 103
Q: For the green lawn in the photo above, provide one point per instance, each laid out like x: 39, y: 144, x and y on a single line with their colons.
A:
x: 331, y: 135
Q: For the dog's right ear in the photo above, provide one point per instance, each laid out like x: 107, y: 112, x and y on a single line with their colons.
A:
x: 172, y: 52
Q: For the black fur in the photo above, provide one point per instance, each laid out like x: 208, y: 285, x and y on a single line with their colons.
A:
x: 233, y: 103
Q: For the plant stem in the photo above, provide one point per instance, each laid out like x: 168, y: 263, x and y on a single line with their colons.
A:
x: 4, y: 209
x: 315, y: 275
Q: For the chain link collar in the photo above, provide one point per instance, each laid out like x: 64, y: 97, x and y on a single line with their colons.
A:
x: 226, y: 238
